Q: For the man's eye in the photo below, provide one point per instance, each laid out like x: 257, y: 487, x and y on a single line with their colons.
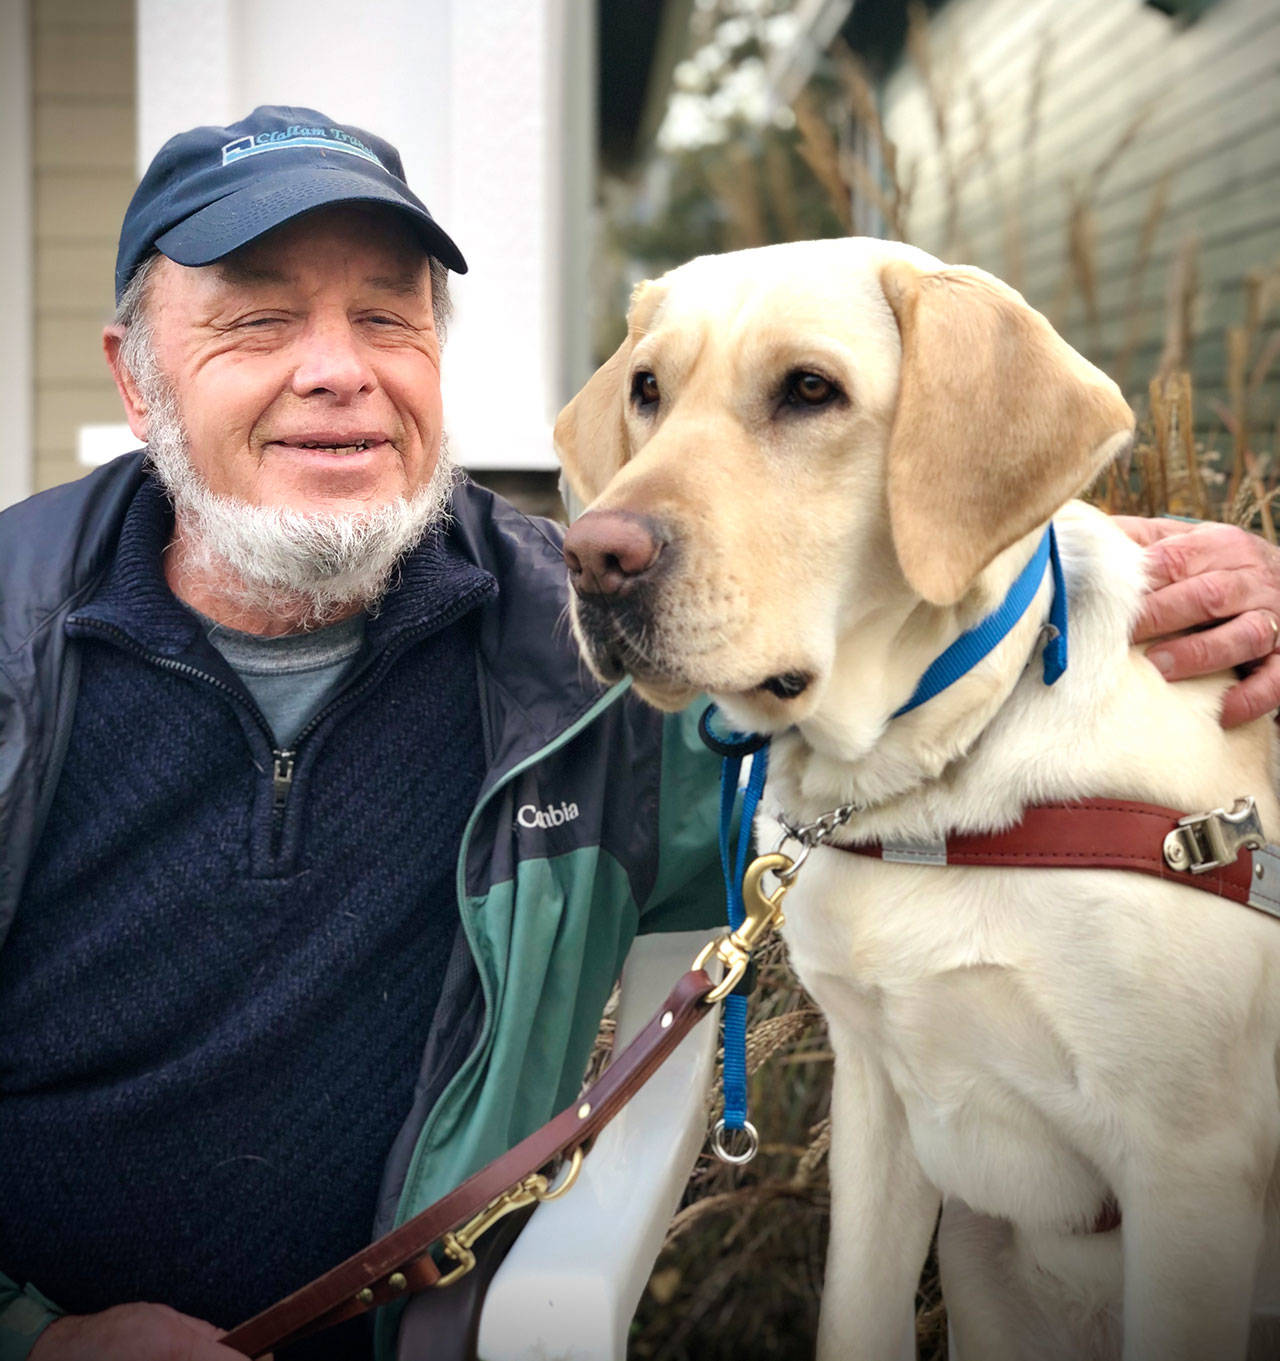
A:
x: 644, y: 388
x: 805, y: 388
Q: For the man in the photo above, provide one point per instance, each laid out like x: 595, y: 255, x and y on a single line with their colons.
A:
x: 320, y: 850
x: 318, y: 855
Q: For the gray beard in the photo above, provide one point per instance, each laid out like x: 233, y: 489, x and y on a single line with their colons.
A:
x: 308, y: 568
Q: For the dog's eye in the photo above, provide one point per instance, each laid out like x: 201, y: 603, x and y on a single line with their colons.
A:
x: 644, y: 388
x: 804, y: 388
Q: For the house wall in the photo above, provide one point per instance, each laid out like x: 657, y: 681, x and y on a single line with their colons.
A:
x: 1174, y: 127
x: 83, y: 133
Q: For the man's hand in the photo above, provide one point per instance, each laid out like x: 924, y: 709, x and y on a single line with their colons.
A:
x: 131, y: 1332
x: 1224, y: 583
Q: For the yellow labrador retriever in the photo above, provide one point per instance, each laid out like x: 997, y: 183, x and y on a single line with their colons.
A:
x: 809, y: 469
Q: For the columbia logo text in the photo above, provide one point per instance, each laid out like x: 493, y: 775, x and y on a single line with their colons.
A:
x: 528, y: 815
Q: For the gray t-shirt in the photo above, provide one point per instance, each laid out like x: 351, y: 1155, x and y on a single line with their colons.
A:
x: 290, y: 678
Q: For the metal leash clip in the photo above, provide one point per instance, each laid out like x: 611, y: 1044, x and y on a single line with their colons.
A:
x: 529, y: 1190
x: 762, y: 913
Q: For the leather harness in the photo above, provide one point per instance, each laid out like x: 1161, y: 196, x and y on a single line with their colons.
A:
x: 1222, y: 852
x: 1203, y: 850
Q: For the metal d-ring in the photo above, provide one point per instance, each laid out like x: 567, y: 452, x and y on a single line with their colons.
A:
x: 735, y: 1159
x: 785, y: 876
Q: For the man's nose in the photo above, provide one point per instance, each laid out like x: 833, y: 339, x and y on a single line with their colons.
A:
x: 609, y: 551
x: 332, y: 360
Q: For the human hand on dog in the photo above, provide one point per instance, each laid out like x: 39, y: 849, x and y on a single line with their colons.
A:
x: 1223, y: 584
x: 132, y: 1332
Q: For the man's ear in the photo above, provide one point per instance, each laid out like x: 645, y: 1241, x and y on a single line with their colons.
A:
x: 135, y: 408
x: 998, y: 422
x: 591, y: 432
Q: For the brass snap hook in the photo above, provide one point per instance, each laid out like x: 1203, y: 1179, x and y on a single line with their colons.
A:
x: 763, y: 912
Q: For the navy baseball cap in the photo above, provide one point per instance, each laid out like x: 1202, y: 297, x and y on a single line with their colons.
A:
x: 212, y: 190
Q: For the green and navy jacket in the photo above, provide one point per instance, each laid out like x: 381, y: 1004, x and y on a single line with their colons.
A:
x: 596, y: 820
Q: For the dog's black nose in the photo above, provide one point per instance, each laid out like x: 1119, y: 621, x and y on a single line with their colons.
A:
x: 607, y: 551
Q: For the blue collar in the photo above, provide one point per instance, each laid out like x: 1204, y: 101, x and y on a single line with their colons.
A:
x: 971, y: 647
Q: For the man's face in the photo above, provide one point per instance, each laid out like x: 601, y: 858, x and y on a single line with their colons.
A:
x: 306, y: 366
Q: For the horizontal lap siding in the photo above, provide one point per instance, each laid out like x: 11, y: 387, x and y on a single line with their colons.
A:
x: 1202, y: 105
x: 83, y: 123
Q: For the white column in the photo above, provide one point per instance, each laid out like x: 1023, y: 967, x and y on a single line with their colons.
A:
x: 186, y: 60
x: 17, y: 335
x: 503, y: 356
x: 573, y: 190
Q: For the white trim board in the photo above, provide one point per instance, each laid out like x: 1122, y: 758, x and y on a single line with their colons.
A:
x: 98, y: 444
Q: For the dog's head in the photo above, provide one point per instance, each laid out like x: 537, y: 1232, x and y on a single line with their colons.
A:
x: 795, y: 438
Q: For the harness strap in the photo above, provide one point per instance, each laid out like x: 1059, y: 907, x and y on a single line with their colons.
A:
x: 1116, y: 834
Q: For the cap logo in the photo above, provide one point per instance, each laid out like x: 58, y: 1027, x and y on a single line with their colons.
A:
x: 297, y: 137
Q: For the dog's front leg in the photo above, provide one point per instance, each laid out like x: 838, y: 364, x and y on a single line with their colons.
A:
x: 1192, y: 1236
x: 883, y: 1210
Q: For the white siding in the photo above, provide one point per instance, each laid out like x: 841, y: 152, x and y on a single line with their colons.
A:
x: 1202, y: 105
x: 83, y: 140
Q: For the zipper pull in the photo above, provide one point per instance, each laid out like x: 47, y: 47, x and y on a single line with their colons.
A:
x: 281, y: 778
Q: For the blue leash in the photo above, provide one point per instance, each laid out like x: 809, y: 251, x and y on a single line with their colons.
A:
x: 735, y: 747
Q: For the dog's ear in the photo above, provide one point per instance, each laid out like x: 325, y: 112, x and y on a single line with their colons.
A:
x: 998, y: 422
x: 590, y: 434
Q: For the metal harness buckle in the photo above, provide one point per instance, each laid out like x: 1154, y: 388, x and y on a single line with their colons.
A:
x: 1210, y: 841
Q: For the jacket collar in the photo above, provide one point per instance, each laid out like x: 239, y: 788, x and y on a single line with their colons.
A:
x: 56, y: 548
x: 536, y: 683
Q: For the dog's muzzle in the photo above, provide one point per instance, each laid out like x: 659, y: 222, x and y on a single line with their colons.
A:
x: 616, y: 560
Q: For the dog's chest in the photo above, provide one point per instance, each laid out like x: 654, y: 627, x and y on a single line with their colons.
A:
x: 943, y: 989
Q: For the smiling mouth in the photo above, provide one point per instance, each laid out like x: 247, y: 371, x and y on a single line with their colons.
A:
x: 332, y: 446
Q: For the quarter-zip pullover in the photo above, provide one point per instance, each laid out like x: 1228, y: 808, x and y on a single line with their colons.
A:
x: 253, y: 1003
x: 547, y: 909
